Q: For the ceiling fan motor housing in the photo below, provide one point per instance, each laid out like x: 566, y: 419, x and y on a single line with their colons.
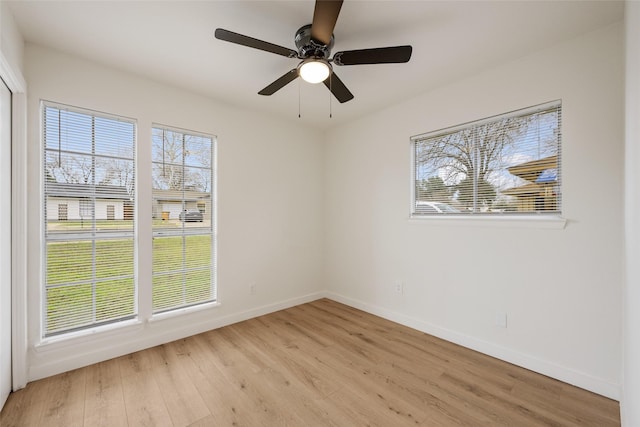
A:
x: 309, y: 48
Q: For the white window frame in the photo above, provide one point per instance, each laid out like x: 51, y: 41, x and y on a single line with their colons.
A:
x: 45, y: 239
x: 185, y: 232
x: 494, y: 219
x: 142, y: 242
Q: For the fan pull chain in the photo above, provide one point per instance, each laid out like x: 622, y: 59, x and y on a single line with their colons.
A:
x: 299, y: 116
x: 330, y: 94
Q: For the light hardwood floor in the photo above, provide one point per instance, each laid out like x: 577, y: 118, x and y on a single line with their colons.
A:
x: 318, y: 364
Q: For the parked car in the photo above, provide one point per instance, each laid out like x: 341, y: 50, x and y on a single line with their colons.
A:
x: 434, y: 207
x: 191, y: 215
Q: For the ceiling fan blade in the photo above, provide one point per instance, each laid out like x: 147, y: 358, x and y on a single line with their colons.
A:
x: 380, y: 55
x: 338, y: 89
x: 230, y: 36
x: 280, y: 83
x: 325, y: 16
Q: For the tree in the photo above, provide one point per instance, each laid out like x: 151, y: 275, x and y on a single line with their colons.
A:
x: 167, y: 157
x: 484, y: 194
x: 467, y: 158
x: 433, y: 189
x: 74, y: 169
x: 181, y: 161
x: 118, y: 172
x: 82, y: 169
x: 48, y: 176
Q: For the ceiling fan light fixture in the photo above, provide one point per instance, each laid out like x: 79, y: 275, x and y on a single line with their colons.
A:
x: 314, y: 70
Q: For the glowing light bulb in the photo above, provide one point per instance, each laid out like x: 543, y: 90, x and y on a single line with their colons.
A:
x: 314, y: 70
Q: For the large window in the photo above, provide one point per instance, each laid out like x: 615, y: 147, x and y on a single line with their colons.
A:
x: 183, y: 219
x: 89, y: 175
x: 508, y: 164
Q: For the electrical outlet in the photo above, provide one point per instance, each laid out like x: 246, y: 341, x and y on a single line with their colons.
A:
x: 398, y: 286
x: 501, y: 319
x: 252, y: 289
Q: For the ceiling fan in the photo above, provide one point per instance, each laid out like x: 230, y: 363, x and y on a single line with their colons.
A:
x: 314, y: 43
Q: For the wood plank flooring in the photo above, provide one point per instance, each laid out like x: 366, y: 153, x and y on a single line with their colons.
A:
x: 317, y: 364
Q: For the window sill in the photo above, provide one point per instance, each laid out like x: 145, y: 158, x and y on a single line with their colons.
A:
x: 107, y: 331
x: 182, y: 311
x: 74, y: 338
x: 525, y: 221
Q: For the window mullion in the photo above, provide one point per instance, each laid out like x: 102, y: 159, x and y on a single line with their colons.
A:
x: 144, y: 241
x: 476, y: 168
x: 184, y: 224
x: 93, y: 224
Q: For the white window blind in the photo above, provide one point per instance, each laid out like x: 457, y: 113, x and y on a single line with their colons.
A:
x: 183, y: 219
x: 88, y: 166
x: 508, y: 164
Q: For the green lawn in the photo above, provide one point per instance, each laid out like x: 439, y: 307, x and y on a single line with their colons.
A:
x: 78, y: 296
x: 117, y: 224
x: 171, y: 285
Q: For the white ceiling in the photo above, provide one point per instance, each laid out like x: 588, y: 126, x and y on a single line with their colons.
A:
x: 172, y: 42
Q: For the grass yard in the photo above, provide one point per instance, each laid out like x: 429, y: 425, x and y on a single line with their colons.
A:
x: 73, y: 225
x: 81, y: 292
x: 117, y: 224
x: 181, y: 273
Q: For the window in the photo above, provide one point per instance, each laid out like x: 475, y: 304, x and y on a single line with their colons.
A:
x: 111, y: 212
x: 184, y: 219
x: 508, y: 164
x: 89, y: 256
x: 62, y: 212
x: 86, y: 208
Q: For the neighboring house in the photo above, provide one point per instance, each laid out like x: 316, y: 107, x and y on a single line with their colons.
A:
x: 167, y: 204
x: 69, y: 202
x: 539, y: 193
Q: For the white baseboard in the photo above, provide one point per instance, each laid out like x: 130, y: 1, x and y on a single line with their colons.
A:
x: 55, y: 359
x: 63, y: 356
x: 550, y: 369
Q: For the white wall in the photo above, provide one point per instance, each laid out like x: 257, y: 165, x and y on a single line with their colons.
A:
x: 5, y: 243
x: 11, y: 63
x: 561, y: 288
x: 11, y: 42
x: 270, y: 178
x: 630, y: 403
